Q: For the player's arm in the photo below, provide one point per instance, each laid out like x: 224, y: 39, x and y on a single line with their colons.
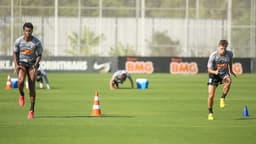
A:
x: 16, y: 56
x: 210, y: 65
x: 36, y: 64
x: 211, y: 71
x: 38, y: 59
x: 46, y: 78
x: 111, y: 84
x: 39, y: 52
x: 230, y: 67
x: 15, y: 60
x: 131, y: 81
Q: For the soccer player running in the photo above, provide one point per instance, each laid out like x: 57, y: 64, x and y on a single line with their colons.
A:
x: 118, y: 78
x: 27, y: 54
x: 219, y: 69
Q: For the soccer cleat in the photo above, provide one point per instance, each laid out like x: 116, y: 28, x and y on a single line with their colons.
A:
x: 210, y: 116
x: 21, y: 101
x: 30, y: 114
x: 222, y: 103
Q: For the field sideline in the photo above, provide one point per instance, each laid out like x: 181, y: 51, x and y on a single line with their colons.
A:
x: 172, y: 110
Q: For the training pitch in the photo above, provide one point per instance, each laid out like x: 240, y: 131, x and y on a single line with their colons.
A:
x: 173, y: 110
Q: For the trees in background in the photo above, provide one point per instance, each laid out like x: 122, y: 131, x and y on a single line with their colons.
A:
x: 198, y: 9
x: 88, y: 41
x: 162, y: 45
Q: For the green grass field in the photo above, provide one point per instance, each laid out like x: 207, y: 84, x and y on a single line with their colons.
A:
x: 172, y: 111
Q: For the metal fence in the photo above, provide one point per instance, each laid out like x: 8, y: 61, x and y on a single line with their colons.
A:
x: 187, y: 28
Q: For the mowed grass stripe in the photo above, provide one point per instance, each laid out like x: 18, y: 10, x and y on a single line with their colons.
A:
x: 172, y: 110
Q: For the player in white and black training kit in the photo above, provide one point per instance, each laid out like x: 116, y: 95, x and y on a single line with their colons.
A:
x: 27, y: 54
x: 219, y: 68
x: 118, y: 78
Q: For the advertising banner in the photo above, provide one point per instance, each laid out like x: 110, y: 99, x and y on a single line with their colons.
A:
x: 69, y: 64
x: 176, y: 65
x: 147, y: 65
x: 144, y: 64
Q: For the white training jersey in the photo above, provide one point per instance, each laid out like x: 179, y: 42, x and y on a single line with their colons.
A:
x: 221, y: 63
x: 118, y: 74
x: 28, y: 51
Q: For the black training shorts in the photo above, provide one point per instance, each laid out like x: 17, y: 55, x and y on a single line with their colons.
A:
x: 215, y: 79
x: 27, y: 66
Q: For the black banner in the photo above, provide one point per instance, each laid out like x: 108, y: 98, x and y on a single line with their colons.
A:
x: 173, y: 65
x: 144, y: 64
x: 69, y: 64
x: 176, y: 65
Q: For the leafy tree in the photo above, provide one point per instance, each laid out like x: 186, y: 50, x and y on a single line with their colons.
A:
x: 165, y: 8
x: 88, y: 41
x: 123, y: 8
x: 213, y: 9
x: 122, y: 50
x: 162, y: 45
x: 5, y: 35
x: 208, y: 9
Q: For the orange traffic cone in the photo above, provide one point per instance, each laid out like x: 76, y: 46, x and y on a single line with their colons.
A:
x: 8, y: 82
x: 96, y: 106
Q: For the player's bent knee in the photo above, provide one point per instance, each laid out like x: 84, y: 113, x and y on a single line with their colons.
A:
x: 228, y: 81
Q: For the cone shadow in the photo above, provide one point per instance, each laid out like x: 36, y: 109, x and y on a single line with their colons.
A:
x: 246, y: 118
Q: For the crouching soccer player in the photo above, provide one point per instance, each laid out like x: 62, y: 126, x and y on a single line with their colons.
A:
x: 118, y: 78
x: 219, y: 69
x: 41, y: 74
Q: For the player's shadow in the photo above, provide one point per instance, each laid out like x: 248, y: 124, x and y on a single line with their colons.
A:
x: 80, y: 116
x: 125, y: 88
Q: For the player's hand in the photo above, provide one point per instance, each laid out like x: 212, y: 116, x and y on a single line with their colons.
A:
x: 217, y: 72
x: 35, y: 67
x: 17, y: 67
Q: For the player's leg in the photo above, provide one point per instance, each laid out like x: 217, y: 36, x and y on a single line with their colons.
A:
x: 46, y: 81
x: 21, y: 78
x: 115, y: 84
x: 32, y: 92
x: 227, y: 83
x: 40, y: 80
x: 211, y: 94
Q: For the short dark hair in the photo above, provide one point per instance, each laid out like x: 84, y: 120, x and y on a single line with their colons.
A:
x: 28, y: 25
x: 223, y: 43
